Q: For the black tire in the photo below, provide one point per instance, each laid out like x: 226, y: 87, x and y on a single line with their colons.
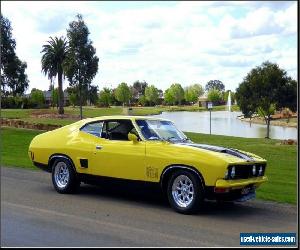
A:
x: 177, y: 200
x: 71, y: 183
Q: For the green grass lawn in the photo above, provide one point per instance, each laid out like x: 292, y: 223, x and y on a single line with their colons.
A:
x: 15, y: 113
x: 281, y: 169
x: 14, y: 147
x: 87, y: 112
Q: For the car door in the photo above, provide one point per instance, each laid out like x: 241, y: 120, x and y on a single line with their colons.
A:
x: 116, y: 156
x: 83, y: 146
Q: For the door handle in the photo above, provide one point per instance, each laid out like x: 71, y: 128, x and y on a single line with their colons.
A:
x: 98, y: 147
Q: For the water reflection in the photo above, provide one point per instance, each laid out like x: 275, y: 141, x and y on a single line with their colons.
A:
x: 226, y: 123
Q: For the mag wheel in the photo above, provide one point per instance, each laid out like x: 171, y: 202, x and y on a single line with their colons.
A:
x: 64, y: 177
x: 185, y: 192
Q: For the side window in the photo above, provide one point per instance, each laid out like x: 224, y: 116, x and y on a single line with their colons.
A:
x: 112, y: 125
x: 108, y: 127
x: 94, y: 128
x: 117, y: 130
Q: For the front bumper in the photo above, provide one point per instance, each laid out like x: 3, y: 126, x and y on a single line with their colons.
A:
x: 238, y: 184
x: 235, y: 190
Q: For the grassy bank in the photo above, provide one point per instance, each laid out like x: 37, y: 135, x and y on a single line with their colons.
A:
x: 292, y: 122
x: 30, y: 115
x: 281, y: 170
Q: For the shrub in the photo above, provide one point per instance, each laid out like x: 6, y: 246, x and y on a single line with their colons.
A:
x: 11, y: 102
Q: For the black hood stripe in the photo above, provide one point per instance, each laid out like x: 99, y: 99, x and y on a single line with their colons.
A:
x: 218, y: 149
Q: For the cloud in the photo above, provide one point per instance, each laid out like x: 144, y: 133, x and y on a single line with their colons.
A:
x: 51, y: 24
x: 184, y: 42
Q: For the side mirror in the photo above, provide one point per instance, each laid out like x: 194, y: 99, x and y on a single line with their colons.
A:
x: 132, y: 137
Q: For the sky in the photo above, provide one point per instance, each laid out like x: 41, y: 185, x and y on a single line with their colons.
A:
x: 163, y: 42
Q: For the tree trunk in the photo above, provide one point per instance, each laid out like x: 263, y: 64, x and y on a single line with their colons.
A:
x: 60, y: 94
x: 80, y: 101
x: 267, y: 120
x: 80, y: 94
x: 52, y: 98
x: 268, y: 127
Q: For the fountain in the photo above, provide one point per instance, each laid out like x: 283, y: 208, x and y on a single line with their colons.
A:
x: 229, y: 102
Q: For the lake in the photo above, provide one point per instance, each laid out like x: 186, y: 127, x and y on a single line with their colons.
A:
x: 225, y: 123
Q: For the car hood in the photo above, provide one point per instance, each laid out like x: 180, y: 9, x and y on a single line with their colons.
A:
x: 229, y: 151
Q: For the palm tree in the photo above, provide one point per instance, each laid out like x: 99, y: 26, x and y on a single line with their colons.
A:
x: 55, y: 53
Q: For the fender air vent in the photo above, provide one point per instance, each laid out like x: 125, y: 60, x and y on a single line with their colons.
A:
x: 84, y: 163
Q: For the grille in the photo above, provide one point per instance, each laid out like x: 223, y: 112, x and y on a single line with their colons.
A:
x: 245, y: 171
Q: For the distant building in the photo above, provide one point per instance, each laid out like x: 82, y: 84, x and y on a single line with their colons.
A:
x: 137, y: 95
x: 161, y: 94
x: 48, y: 97
x: 203, y: 100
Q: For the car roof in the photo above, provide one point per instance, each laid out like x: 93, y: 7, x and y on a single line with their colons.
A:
x: 122, y: 117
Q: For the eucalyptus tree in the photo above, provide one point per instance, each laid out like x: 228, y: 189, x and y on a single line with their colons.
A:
x: 139, y: 88
x: 53, y: 58
x: 214, y: 84
x: 106, y: 97
x: 168, y: 97
x: 123, y: 93
x: 37, y: 98
x: 14, y: 80
x: 192, y: 93
x: 174, y: 94
x: 82, y: 63
x: 214, y: 95
x: 151, y: 94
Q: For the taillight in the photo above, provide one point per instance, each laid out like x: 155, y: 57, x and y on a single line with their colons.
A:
x: 32, y: 155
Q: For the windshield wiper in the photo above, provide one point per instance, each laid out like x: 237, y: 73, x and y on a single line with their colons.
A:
x: 186, y: 139
x: 169, y: 138
x: 154, y: 138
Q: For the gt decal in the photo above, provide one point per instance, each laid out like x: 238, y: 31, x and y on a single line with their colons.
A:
x: 152, y: 173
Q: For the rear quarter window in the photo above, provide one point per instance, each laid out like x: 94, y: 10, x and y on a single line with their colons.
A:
x: 94, y: 128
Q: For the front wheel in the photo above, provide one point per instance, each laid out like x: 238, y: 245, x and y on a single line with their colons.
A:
x: 185, y: 192
x: 64, y: 178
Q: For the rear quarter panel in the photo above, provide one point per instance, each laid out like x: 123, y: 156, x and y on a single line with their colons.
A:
x: 64, y: 141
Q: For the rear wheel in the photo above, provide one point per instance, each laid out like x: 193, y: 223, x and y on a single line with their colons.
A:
x: 185, y: 192
x: 64, y: 177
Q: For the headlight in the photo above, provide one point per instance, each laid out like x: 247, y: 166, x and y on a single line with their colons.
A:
x: 232, y: 173
x: 254, y: 170
x: 260, y: 171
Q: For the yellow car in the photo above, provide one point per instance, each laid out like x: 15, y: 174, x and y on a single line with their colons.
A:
x: 149, y: 150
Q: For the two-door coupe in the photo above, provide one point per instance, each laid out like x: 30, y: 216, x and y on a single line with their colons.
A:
x: 149, y: 150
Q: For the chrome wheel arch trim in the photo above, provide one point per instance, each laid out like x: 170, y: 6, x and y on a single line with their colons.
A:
x: 182, y: 167
x: 54, y: 156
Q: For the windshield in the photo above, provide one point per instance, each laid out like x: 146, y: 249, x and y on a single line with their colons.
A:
x: 160, y: 130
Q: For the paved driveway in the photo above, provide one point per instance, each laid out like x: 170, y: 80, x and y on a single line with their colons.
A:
x: 34, y: 214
